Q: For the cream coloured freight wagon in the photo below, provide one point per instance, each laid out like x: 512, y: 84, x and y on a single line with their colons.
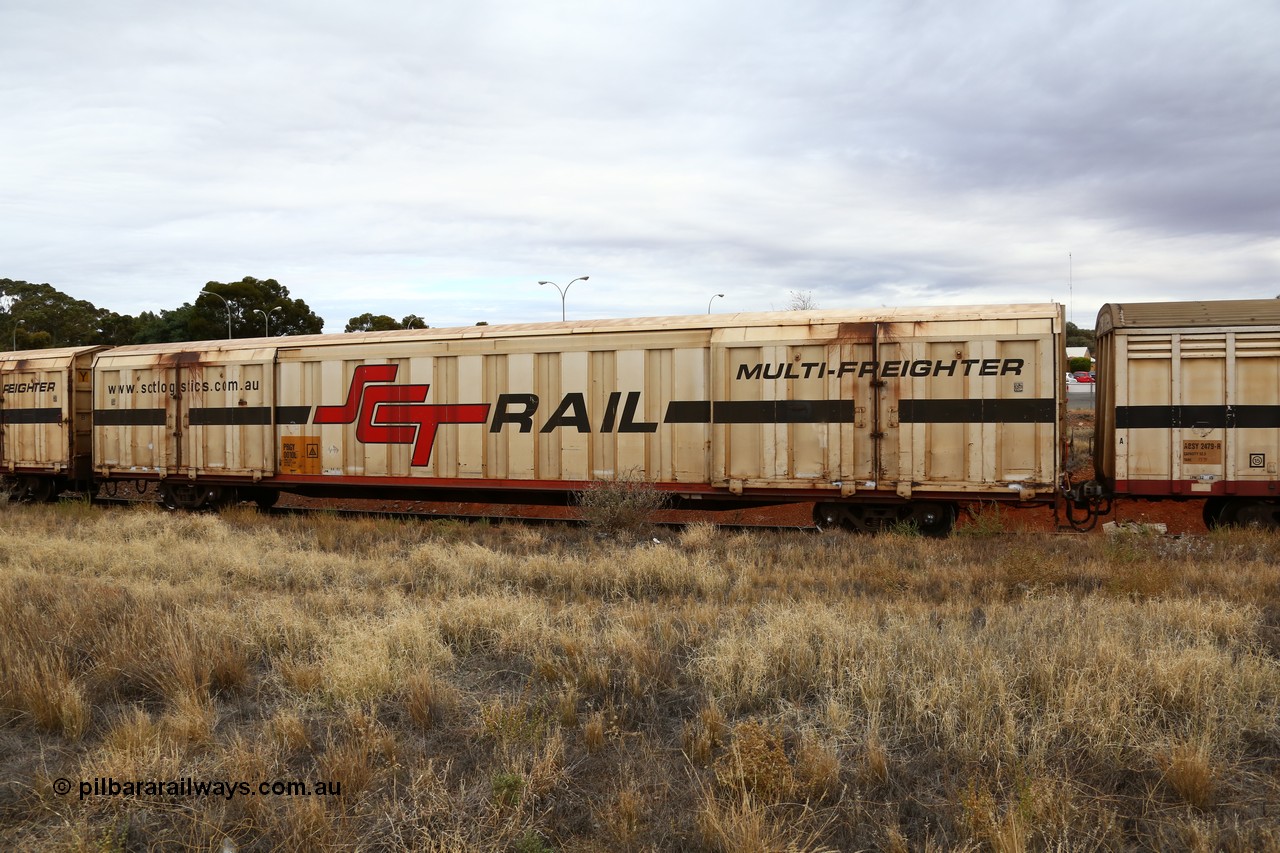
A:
x: 1188, y: 404
x: 45, y: 426
x: 875, y: 415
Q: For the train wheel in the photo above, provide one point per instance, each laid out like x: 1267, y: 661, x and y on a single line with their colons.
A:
x: 266, y: 498
x: 166, y: 498
x: 829, y: 516
x: 1213, y: 513
x: 219, y: 497
x: 44, y: 490
x: 932, y: 519
x: 1252, y: 513
x: 187, y: 496
x: 33, y: 489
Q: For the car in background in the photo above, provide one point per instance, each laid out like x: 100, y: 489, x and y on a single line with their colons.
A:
x: 1083, y: 376
x: 1071, y: 379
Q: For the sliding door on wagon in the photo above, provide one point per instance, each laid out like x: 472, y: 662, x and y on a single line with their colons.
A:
x: 195, y: 421
x: 45, y: 421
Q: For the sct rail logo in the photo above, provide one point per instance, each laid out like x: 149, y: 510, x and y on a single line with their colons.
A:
x: 396, y: 414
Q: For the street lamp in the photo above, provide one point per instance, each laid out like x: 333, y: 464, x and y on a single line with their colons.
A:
x: 713, y: 299
x: 564, y: 291
x: 266, y: 321
x: 15, y: 334
x: 228, y: 304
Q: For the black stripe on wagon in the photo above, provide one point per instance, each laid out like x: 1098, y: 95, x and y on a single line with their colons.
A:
x: 783, y: 411
x: 1039, y: 410
x: 230, y: 416
x: 293, y: 414
x: 128, y: 417
x: 1205, y: 417
x: 31, y: 416
x: 760, y: 412
x: 688, y: 412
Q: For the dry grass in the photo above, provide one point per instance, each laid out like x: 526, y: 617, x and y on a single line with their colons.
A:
x: 520, y: 688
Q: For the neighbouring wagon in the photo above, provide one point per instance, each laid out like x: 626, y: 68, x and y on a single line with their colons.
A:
x: 1188, y: 405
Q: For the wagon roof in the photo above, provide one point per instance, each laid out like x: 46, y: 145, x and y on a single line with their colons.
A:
x: 1172, y: 315
x: 637, y: 324
x: 44, y: 355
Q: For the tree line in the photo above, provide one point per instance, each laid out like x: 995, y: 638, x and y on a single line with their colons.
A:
x: 39, y: 316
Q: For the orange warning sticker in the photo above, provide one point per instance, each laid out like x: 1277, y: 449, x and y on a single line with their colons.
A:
x: 299, y: 454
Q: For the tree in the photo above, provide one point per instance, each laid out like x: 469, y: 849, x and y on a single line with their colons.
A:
x: 42, y: 316
x: 246, y: 297
x: 802, y: 300
x: 165, y: 327
x: 372, y: 323
x: 1078, y: 337
x: 117, y: 329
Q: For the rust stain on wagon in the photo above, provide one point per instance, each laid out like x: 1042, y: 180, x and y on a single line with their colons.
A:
x: 854, y: 332
x: 176, y: 359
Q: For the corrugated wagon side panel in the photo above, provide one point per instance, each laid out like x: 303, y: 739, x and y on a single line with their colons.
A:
x: 632, y: 446
x: 1146, y: 452
x: 466, y: 375
x: 740, y: 448
x: 1196, y: 413
x: 228, y: 407
x: 691, y: 456
x: 941, y: 448
x: 1022, y: 444
x: 980, y: 405
x: 136, y: 417
x: 809, y: 444
x: 444, y: 389
x: 604, y: 384
x: 1254, y: 452
x: 36, y: 411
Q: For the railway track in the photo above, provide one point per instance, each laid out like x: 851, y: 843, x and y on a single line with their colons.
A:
x: 346, y: 511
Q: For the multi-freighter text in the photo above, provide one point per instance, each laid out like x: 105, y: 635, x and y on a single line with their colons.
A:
x: 889, y: 369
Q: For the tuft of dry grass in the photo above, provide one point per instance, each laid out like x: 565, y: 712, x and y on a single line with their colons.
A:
x: 1189, y: 771
x: 625, y: 505
x: 755, y: 764
x: 501, y: 687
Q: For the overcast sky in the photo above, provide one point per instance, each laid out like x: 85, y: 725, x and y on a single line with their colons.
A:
x: 441, y: 157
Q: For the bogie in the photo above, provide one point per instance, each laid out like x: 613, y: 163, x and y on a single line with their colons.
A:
x: 34, y: 488
x: 1255, y: 513
x: 929, y: 518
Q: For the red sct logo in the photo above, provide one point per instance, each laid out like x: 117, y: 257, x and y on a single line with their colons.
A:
x: 396, y: 414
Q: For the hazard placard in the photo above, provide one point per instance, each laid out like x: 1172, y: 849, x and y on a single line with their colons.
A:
x: 299, y: 454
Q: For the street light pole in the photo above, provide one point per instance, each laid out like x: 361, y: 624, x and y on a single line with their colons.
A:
x: 564, y: 291
x: 228, y: 304
x: 266, y: 323
x: 713, y: 299
x: 15, y: 333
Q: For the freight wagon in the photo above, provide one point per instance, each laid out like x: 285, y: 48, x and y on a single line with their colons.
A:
x: 876, y: 417
x: 1188, y: 405
x: 45, y: 424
